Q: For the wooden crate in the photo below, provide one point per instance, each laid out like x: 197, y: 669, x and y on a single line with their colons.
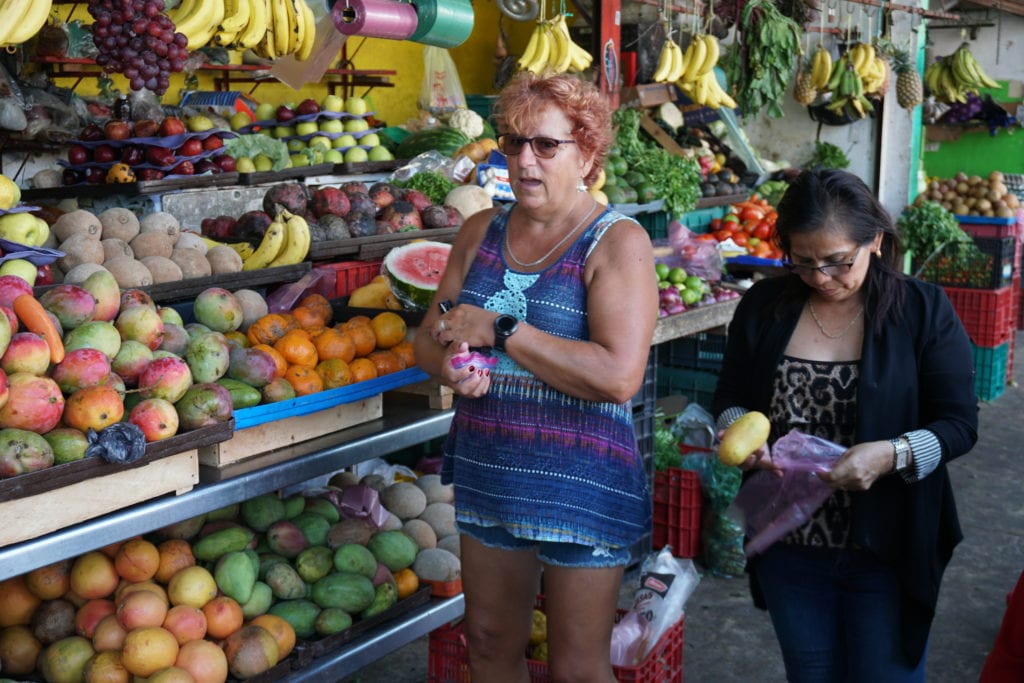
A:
x: 262, y: 439
x: 439, y: 396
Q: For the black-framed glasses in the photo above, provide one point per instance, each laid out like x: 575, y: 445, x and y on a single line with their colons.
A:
x: 542, y: 146
x: 828, y: 270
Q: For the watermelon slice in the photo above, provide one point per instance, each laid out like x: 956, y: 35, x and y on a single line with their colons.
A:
x: 415, y: 270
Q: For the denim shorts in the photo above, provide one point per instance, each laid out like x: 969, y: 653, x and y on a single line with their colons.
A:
x: 549, y: 552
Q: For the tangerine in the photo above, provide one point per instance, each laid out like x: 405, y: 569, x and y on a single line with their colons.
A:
x: 407, y: 582
x: 320, y: 305
x: 362, y: 369
x: 385, y: 362
x: 279, y: 360
x: 223, y: 617
x: 389, y: 328
x: 406, y: 352
x: 269, y: 328
x: 306, y: 317
x: 363, y: 337
x: 304, y: 380
x: 333, y: 343
x: 334, y: 373
x: 358, y: 320
x: 297, y: 348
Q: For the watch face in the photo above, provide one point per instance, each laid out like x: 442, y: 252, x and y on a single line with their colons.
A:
x: 506, y: 324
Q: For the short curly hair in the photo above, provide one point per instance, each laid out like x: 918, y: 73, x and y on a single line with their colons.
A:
x: 582, y: 103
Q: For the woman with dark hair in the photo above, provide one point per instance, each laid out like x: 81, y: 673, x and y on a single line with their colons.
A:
x: 541, y: 451
x: 847, y: 348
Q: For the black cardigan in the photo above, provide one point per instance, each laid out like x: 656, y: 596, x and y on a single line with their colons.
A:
x: 917, y: 373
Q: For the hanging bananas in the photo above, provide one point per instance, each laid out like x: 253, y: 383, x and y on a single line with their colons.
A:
x: 671, y: 66
x: 550, y: 49
x: 271, y: 28
x: 22, y: 20
x: 821, y: 67
x: 955, y: 76
x: 698, y: 79
x: 847, y: 86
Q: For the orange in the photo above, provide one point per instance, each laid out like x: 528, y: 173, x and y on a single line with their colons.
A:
x: 17, y: 603
x: 315, y: 331
x: 385, y: 362
x: 389, y: 328
x: 269, y: 328
x: 334, y: 373
x: 175, y: 554
x: 405, y: 351
x: 223, y: 617
x: 407, y: 582
x: 50, y: 582
x: 279, y: 360
x: 306, y: 317
x: 282, y: 631
x: 297, y: 349
x: 357, y: 320
x: 362, y: 336
x: 320, y: 305
x: 137, y: 560
x: 304, y: 380
x: 148, y: 649
x: 362, y: 369
x: 332, y: 343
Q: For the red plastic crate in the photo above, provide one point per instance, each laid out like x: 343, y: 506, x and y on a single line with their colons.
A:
x: 988, y: 315
x: 448, y: 660
x: 339, y: 279
x: 677, y: 509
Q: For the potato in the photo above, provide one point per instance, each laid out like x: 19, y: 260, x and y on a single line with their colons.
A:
x: 744, y: 436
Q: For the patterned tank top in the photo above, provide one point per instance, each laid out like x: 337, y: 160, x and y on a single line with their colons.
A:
x: 543, y: 464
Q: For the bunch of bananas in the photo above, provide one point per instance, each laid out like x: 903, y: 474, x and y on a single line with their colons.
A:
x: 821, y: 68
x: 872, y: 69
x: 271, y: 28
x: 550, y: 49
x: 285, y: 243
x: 22, y: 19
x: 671, y: 65
x: 244, y: 249
x: 955, y: 76
x: 698, y: 78
x: 847, y: 88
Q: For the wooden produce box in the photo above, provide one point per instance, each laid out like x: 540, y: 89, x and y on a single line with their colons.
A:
x: 438, y: 396
x: 43, y: 502
x: 264, y: 430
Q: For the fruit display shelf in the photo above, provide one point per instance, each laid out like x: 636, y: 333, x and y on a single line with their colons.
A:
x: 139, y: 187
x: 374, y: 246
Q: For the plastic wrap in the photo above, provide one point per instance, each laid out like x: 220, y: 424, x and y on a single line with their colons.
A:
x: 698, y: 257
x: 121, y: 442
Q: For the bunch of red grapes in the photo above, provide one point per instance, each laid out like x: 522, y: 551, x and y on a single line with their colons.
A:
x: 137, y: 39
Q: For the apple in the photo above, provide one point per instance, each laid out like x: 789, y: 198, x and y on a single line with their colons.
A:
x: 104, y: 154
x: 91, y: 133
x: 184, y: 168
x: 213, y: 142
x: 206, y: 166
x: 370, y: 140
x: 239, y: 120
x: 159, y: 156
x: 19, y: 267
x: 283, y: 132
x: 343, y: 142
x: 356, y: 125
x: 307, y: 106
x: 149, y: 174
x: 284, y: 114
x: 171, y: 125
x: 264, y: 111
x: 263, y: 163
x: 117, y: 130
x: 78, y: 155
x: 299, y: 160
x: 133, y: 155
x: 319, y: 141
x: 146, y: 128
x: 296, y: 145
x: 199, y: 123
x: 331, y: 126
x: 356, y: 106
x: 333, y: 156
x: 70, y: 176
x: 380, y: 154
x: 332, y: 103
x: 191, y: 148
x: 306, y: 128
x: 95, y: 176
x: 356, y: 155
x: 244, y: 165
x: 226, y: 162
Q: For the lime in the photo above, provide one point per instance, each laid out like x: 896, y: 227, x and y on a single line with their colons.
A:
x: 694, y: 282
x: 664, y: 284
x: 691, y: 296
x: 678, y: 276
x: 661, y: 270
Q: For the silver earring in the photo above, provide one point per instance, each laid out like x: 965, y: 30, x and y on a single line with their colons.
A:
x: 582, y: 187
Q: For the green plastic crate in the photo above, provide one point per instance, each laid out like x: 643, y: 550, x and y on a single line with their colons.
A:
x: 698, y: 220
x: 989, y: 370
x: 698, y: 386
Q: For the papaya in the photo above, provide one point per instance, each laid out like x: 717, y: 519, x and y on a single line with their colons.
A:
x: 351, y: 592
x: 744, y: 436
x: 301, y: 614
x: 209, y: 548
x: 235, y: 575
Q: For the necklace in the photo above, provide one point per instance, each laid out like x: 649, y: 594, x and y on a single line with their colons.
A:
x: 821, y: 327
x: 542, y: 259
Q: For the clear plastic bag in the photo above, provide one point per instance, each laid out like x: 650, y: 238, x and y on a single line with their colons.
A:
x: 666, y: 583
x: 768, y: 506
x: 441, y: 91
x: 698, y: 257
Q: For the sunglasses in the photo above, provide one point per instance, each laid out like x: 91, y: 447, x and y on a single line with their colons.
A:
x: 543, y: 147
x: 828, y: 270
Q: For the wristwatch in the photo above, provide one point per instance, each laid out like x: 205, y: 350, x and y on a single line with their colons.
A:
x: 901, y: 455
x: 504, y: 327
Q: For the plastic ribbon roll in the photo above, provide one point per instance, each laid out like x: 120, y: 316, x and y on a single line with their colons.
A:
x: 443, y: 23
x: 374, y: 18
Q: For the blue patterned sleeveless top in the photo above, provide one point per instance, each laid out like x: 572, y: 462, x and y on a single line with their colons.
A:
x: 543, y: 464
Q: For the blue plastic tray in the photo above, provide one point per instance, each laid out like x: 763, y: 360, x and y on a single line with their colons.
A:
x: 985, y: 220
x: 312, y: 403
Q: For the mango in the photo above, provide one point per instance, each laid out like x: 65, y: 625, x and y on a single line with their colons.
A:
x: 262, y: 511
x: 314, y: 563
x: 260, y: 601
x: 301, y: 614
x: 385, y: 595
x: 285, y: 582
x: 332, y: 620
x: 351, y: 592
x: 235, y: 576
x: 744, y: 436
x: 210, y: 548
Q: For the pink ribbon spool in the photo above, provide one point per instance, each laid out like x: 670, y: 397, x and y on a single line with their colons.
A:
x: 375, y: 18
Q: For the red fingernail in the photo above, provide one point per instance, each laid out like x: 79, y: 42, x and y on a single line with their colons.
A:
x: 472, y: 369
x: 487, y: 373
x: 480, y: 372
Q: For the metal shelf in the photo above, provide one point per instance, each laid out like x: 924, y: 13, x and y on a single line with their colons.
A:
x: 402, y: 428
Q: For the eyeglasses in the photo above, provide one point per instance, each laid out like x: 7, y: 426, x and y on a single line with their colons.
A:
x: 543, y: 147
x: 828, y: 270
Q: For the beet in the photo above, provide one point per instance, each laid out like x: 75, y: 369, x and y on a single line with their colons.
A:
x: 219, y: 228
x: 434, y: 217
x: 354, y: 186
x: 251, y: 226
x: 329, y: 201
x: 384, y: 228
x: 402, y: 216
x: 383, y: 194
x: 455, y: 217
x: 290, y: 196
x: 335, y: 228
x: 361, y: 223
x: 416, y: 198
x: 360, y: 202
x: 317, y: 232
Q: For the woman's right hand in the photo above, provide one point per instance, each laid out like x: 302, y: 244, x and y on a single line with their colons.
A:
x: 469, y: 381
x: 760, y: 459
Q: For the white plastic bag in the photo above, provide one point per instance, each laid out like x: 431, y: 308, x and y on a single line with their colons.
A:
x: 441, y: 91
x: 666, y: 583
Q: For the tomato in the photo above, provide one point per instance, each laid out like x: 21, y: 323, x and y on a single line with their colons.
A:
x: 753, y: 241
x: 762, y: 231
x: 706, y: 236
x: 740, y: 238
x: 751, y: 213
x: 722, y: 235
x: 716, y: 224
x: 763, y: 250
x: 749, y: 225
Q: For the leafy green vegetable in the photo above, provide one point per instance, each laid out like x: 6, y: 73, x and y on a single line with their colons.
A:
x: 927, y: 229
x: 772, y: 190
x: 666, y: 447
x: 761, y: 61
x: 255, y: 143
x: 431, y: 183
x: 827, y: 155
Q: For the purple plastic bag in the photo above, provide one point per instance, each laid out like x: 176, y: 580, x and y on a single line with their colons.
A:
x: 771, y: 506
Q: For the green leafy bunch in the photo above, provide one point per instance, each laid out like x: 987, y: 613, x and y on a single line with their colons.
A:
x: 927, y: 229
x: 827, y: 155
x: 761, y: 62
x: 431, y: 183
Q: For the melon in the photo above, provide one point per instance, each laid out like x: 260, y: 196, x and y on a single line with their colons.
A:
x: 415, y: 270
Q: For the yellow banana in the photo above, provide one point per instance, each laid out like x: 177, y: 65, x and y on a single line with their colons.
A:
x: 665, y: 63
x: 581, y: 59
x: 560, y: 41
x: 270, y: 247
x: 696, y: 61
x: 540, y: 61
x: 309, y: 32
x: 298, y: 25
x: 530, y: 52
x: 256, y: 27
x: 713, y: 52
x: 822, y: 68
x: 678, y: 67
x: 279, y: 22
x: 297, y: 240
x: 29, y: 23
x: 236, y: 16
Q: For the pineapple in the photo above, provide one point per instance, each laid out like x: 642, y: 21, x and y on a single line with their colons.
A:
x: 909, y: 89
x: 803, y: 89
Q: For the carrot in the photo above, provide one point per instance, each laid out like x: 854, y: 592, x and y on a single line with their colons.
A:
x: 36, y: 319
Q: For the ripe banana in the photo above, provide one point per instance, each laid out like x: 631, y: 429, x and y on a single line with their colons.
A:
x: 279, y: 11
x: 821, y: 68
x: 695, y: 60
x: 713, y: 51
x: 308, y: 32
x: 296, y: 243
x: 540, y: 62
x: 270, y: 246
x: 24, y: 18
x: 580, y: 59
x: 256, y: 27
x: 530, y: 51
x: 236, y: 17
x: 666, y: 63
x: 199, y: 21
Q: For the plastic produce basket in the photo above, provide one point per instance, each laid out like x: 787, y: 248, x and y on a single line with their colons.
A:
x: 697, y: 386
x: 448, y: 660
x: 644, y: 399
x: 701, y: 351
x: 990, y: 364
x: 339, y: 279
x: 988, y: 315
x: 993, y: 272
x: 677, y: 510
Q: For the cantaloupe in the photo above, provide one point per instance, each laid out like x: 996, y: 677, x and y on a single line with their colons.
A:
x: 437, y: 564
x: 404, y: 499
x: 441, y: 518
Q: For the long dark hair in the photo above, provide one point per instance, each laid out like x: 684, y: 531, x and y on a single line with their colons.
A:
x: 831, y: 199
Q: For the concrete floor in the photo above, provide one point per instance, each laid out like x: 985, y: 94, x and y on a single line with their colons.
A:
x: 728, y: 640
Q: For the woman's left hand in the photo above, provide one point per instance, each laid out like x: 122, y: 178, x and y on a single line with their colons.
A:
x: 469, y: 381
x: 859, y: 467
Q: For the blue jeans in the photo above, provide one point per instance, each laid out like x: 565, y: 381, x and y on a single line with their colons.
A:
x: 836, y: 613
x: 550, y: 552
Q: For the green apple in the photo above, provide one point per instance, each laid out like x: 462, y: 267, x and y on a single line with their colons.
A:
x: 356, y: 125
x: 307, y: 128
x: 333, y: 156
x: 356, y: 106
x: 23, y: 228
x: 26, y: 270
x: 198, y: 123
x: 265, y: 111
x: 296, y: 145
x: 356, y: 155
x: 269, y: 132
x: 283, y: 132
x: 332, y: 103
x: 239, y: 120
x: 694, y: 282
x: 319, y: 141
x: 380, y: 154
x: 299, y: 160
x: 343, y: 142
x: 331, y: 126
x: 315, y: 155
x: 245, y: 165
x: 370, y: 140
x: 263, y: 163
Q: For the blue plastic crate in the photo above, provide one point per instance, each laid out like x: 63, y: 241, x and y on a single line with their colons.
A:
x: 701, y: 351
x: 990, y: 370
